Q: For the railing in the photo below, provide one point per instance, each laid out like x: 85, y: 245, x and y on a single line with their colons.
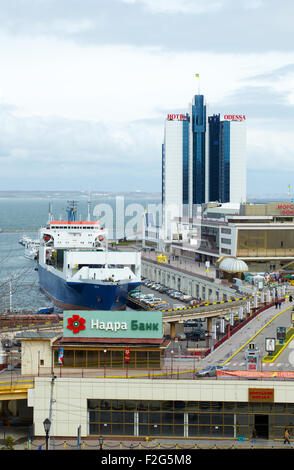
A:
x: 241, y: 325
x: 39, y: 444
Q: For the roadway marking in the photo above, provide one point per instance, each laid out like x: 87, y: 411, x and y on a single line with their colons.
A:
x: 254, y: 336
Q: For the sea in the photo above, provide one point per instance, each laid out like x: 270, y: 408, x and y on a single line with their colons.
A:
x: 24, y: 213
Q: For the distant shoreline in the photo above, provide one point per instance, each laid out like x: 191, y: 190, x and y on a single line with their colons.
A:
x: 77, y: 194
x: 110, y: 195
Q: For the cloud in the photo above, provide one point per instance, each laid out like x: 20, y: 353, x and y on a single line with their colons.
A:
x: 174, y: 25
x: 61, y: 153
x: 178, y: 6
x: 84, y: 90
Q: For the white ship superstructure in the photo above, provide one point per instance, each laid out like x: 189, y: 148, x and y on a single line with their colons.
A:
x: 77, y: 270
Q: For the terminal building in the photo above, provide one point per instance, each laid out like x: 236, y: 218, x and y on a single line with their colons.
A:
x: 261, y: 235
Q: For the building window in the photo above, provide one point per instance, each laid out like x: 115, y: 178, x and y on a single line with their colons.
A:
x: 226, y: 230
x: 179, y: 419
x: 226, y: 251
x: 113, y: 359
x: 226, y: 241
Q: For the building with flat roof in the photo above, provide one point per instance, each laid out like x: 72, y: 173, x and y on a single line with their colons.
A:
x: 262, y: 235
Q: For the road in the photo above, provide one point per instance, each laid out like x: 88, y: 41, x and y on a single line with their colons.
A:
x: 232, y: 352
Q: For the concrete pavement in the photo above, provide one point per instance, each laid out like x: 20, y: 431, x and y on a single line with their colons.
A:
x: 244, y: 336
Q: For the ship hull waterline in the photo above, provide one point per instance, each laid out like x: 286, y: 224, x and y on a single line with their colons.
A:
x: 83, y: 295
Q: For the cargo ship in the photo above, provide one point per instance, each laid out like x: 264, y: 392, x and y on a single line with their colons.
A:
x: 77, y: 271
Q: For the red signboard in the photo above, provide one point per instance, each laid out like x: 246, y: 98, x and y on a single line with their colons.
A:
x: 261, y: 394
x: 234, y: 117
x: 286, y: 209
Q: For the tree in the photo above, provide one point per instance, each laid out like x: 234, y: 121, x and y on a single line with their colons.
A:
x: 9, y: 443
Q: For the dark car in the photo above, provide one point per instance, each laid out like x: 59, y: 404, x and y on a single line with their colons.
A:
x: 197, y: 323
x: 195, y: 335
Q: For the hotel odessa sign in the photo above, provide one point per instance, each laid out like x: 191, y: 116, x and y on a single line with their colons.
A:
x: 107, y: 324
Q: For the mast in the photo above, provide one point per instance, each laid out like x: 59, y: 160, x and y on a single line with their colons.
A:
x: 71, y: 211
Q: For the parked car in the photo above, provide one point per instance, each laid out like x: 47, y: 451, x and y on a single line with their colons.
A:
x: 187, y: 298
x: 160, y: 306
x: 163, y: 289
x: 196, y: 335
x: 181, y: 336
x: 176, y: 294
x: 176, y: 306
x: 169, y: 292
x: 193, y: 323
x: 210, y: 371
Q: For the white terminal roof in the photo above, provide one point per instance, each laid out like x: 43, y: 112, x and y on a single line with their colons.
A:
x: 233, y: 265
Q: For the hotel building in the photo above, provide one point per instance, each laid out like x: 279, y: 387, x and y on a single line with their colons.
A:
x: 203, y: 160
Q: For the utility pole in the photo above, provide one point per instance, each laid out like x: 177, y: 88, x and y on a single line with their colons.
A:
x: 10, y: 295
x: 50, y: 406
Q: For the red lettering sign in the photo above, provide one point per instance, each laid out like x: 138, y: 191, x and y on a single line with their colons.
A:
x: 234, y: 117
x: 259, y: 395
x: 286, y: 209
x: 178, y: 117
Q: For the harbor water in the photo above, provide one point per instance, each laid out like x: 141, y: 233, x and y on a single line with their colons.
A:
x: 19, y: 287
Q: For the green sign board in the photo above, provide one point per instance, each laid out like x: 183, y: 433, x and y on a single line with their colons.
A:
x: 108, y: 324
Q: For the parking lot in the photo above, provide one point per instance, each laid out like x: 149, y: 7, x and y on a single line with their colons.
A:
x: 159, y: 297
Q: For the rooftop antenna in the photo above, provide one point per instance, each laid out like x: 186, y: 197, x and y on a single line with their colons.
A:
x: 71, y: 211
x: 50, y: 215
x: 89, y: 207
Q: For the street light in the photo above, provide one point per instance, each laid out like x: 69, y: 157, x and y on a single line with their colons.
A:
x: 101, y: 442
x: 105, y: 351
x: 47, y: 425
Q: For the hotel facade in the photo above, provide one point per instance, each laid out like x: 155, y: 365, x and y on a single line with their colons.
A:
x: 203, y: 160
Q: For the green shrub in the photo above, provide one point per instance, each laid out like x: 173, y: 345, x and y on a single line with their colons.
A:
x: 9, y: 443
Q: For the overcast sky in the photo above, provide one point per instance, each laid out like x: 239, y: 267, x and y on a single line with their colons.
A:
x: 85, y: 86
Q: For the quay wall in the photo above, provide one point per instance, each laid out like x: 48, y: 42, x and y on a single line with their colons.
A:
x: 197, y: 286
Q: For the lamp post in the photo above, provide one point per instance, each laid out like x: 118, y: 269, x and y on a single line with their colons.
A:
x: 47, y: 425
x: 105, y: 351
x: 101, y: 442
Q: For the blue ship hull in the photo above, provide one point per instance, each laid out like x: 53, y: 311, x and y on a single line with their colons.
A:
x: 82, y: 295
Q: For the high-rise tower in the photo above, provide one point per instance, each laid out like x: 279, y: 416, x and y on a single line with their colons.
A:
x: 203, y: 160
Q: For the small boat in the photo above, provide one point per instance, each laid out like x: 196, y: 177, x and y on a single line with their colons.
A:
x: 24, y: 240
x: 32, y: 249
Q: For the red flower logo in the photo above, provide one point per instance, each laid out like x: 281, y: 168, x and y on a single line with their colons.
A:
x: 76, y: 323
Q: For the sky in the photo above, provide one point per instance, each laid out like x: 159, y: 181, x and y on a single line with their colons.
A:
x: 85, y: 87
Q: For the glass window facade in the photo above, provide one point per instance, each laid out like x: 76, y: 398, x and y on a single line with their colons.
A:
x: 189, y: 419
x: 199, y: 149
x: 225, y: 162
x: 214, y: 157
x: 186, y: 162
x: 112, y: 358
